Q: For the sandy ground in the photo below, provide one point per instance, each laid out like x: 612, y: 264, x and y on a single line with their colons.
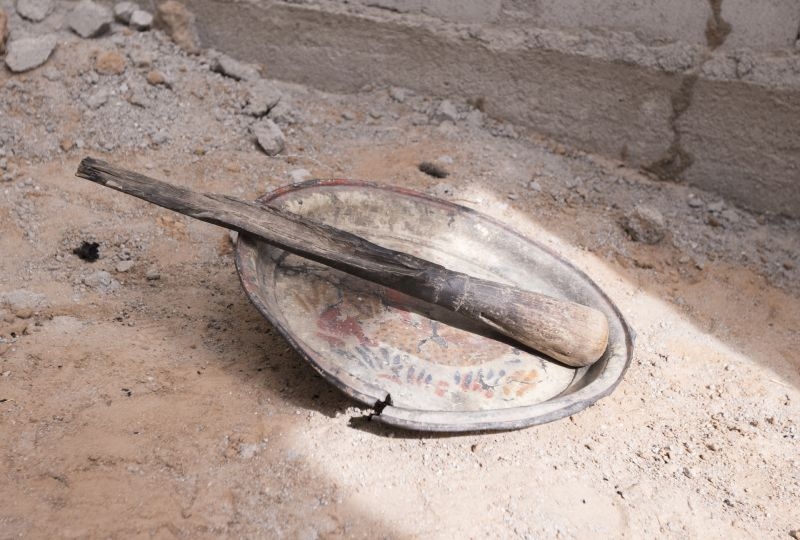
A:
x: 150, y: 398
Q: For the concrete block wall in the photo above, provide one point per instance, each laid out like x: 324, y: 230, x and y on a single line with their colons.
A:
x: 756, y: 24
x: 664, y: 86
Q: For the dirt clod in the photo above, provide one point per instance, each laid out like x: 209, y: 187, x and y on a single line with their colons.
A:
x: 431, y: 169
x: 88, y: 251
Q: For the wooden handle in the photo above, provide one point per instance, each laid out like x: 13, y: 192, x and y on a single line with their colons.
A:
x: 571, y: 333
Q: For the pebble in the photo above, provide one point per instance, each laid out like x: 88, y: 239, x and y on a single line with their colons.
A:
x: 22, y: 301
x: 730, y: 215
x: 141, y: 58
x: 160, y: 137
x: 795, y: 534
x: 644, y: 224
x: 398, y: 94
x: 716, y: 207
x: 89, y: 20
x: 98, y: 99
x: 284, y: 113
x: 695, y: 202
x: 263, y: 96
x: 110, y: 63
x: 269, y: 136
x: 230, y: 67
x: 52, y: 74
x: 124, y: 266
x: 156, y: 77
x: 34, y: 10
x: 298, y: 175
x: 123, y: 11
x: 141, y: 20
x: 152, y: 274
x: 178, y: 22
x: 533, y: 185
x: 28, y: 53
x: 3, y: 31
x: 446, y: 111
x: 101, y: 281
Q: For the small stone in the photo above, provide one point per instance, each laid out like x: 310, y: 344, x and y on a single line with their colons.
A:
x: 533, y: 185
x: 695, y: 202
x: 3, y: 30
x: 788, y: 265
x: 101, y: 281
x: 156, y: 77
x: 178, y: 22
x: 141, y: 58
x: 230, y: 67
x: 160, y: 137
x: 28, y: 53
x: 795, y: 534
x: 716, y: 207
x: 124, y: 266
x: 139, y: 99
x: 110, y: 63
x: 152, y: 274
x: 398, y: 94
x: 34, y: 10
x: 730, y: 215
x: 263, y: 96
x: 347, y: 115
x: 24, y: 313
x: 284, y: 113
x: 123, y: 11
x: 298, y: 175
x: 141, y: 20
x: 89, y: 20
x: 446, y: 111
x: 98, y: 99
x: 52, y: 74
x: 22, y: 301
x: 66, y: 144
x: 269, y: 136
x: 644, y: 224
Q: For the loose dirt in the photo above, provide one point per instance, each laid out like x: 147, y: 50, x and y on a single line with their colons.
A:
x: 141, y: 395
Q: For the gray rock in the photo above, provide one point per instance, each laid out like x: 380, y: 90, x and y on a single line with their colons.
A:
x: 534, y: 185
x: 298, y: 175
x: 263, y: 97
x: 160, y: 137
x: 89, y: 20
x: 22, y: 301
x: 644, y: 224
x: 101, y: 281
x: 730, y: 215
x: 28, y: 53
x: 124, y: 266
x: 398, y: 94
x: 716, y: 207
x: 446, y: 111
x: 141, y: 20
x: 695, y: 202
x: 230, y: 67
x: 152, y: 274
x: 269, y: 136
x: 34, y: 10
x: 98, y: 99
x: 123, y: 11
x: 284, y: 113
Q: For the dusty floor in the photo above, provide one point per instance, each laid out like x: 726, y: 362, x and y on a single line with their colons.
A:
x: 154, y: 400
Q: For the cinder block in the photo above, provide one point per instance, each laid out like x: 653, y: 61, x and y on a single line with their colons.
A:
x: 745, y: 143
x: 650, y: 20
x: 761, y: 25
